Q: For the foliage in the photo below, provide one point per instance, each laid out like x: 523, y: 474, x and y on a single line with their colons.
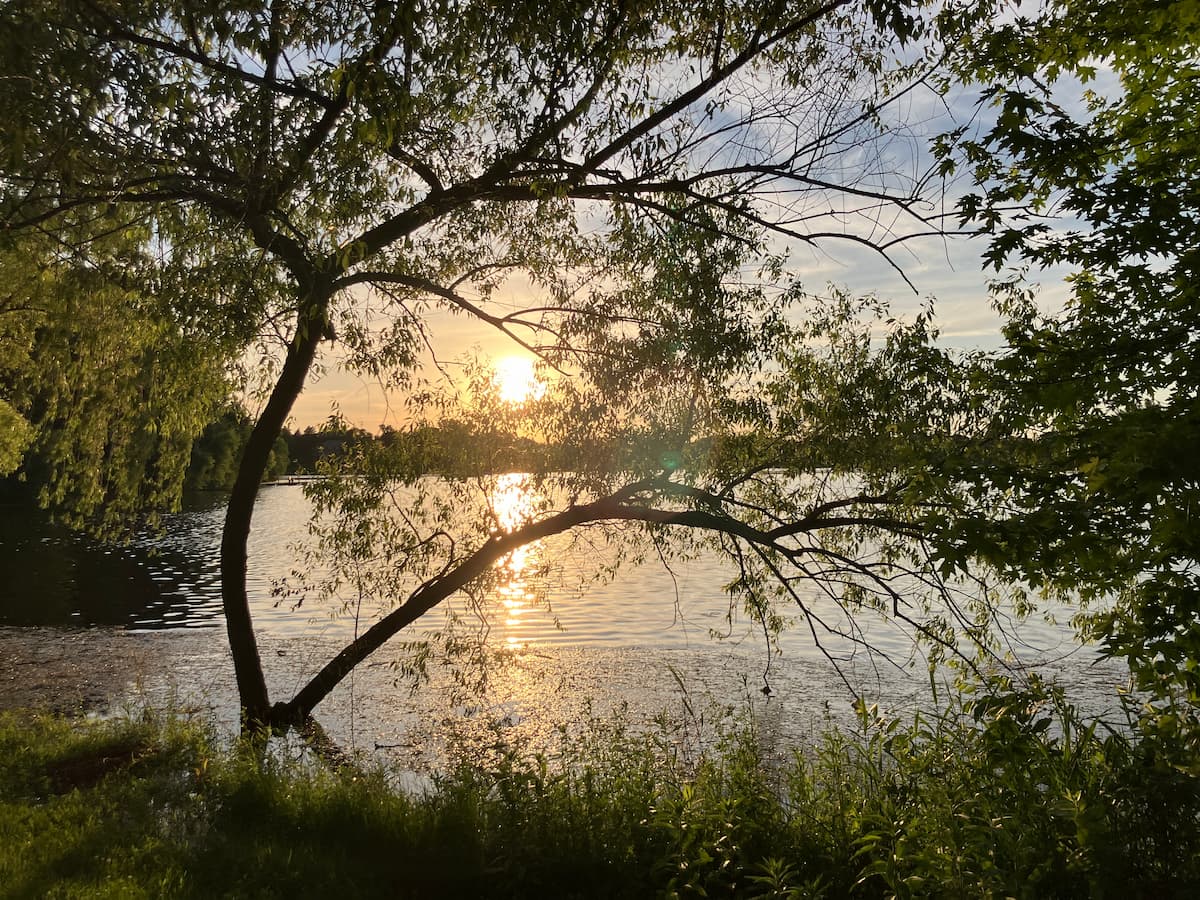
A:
x: 307, y: 450
x: 598, y: 182
x: 15, y: 436
x: 218, y: 448
x: 109, y: 388
x: 1089, y: 163
x: 804, y: 477
x: 1011, y: 795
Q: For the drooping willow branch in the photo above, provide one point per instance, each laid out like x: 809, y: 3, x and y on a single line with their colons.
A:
x: 629, y: 504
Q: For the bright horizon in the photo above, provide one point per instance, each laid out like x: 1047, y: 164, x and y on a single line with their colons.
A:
x: 947, y: 269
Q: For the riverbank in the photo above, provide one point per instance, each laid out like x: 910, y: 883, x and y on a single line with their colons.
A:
x: 76, y: 671
x: 531, y: 697
x: 1031, y: 803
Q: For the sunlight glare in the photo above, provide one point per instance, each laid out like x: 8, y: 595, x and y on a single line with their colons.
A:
x: 512, y: 505
x: 516, y: 380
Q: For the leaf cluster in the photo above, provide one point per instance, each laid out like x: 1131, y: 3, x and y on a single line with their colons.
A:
x: 1087, y: 162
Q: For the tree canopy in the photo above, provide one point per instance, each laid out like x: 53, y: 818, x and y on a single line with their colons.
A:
x: 1090, y: 165
x: 301, y: 175
x: 104, y: 390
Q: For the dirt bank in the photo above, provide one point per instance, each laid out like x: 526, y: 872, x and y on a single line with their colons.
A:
x: 80, y: 671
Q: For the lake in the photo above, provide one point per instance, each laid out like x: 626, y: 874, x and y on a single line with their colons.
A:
x: 640, y: 641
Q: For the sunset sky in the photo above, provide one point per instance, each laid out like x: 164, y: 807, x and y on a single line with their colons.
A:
x: 949, y: 270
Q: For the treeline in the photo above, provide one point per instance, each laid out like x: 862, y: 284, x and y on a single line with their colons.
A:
x: 452, y: 449
x: 217, y: 451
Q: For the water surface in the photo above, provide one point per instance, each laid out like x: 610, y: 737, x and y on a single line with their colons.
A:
x: 568, y: 647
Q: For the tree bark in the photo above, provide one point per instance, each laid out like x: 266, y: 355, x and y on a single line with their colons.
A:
x: 247, y: 666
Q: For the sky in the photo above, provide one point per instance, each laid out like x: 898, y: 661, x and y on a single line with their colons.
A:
x: 947, y: 270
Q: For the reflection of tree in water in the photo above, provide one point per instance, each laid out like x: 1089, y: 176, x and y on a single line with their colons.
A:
x: 55, y: 577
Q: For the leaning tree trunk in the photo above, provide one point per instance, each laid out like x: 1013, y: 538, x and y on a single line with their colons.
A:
x: 252, y: 686
x: 612, y: 508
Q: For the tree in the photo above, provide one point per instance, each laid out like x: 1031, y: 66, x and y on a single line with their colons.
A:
x: 216, y: 450
x: 104, y: 388
x: 15, y: 435
x: 1090, y: 163
x: 310, y: 169
x: 311, y: 447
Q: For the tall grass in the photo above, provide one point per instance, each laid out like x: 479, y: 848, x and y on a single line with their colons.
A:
x: 1009, y: 796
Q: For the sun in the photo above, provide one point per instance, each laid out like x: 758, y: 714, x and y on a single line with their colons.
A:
x: 516, y: 380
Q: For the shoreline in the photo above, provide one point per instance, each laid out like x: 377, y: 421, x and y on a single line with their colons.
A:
x: 78, y: 671
x: 535, y: 697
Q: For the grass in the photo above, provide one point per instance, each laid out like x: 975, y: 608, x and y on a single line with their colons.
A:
x: 1009, y: 797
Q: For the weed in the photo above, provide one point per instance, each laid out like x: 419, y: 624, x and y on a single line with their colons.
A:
x: 1007, y: 795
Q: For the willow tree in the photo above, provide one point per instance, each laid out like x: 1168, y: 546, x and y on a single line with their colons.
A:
x: 337, y: 171
x: 101, y: 388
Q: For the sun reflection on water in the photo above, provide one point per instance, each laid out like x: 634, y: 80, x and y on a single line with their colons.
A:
x: 513, y: 501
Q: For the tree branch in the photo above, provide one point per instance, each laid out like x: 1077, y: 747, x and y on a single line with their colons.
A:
x: 617, y: 507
